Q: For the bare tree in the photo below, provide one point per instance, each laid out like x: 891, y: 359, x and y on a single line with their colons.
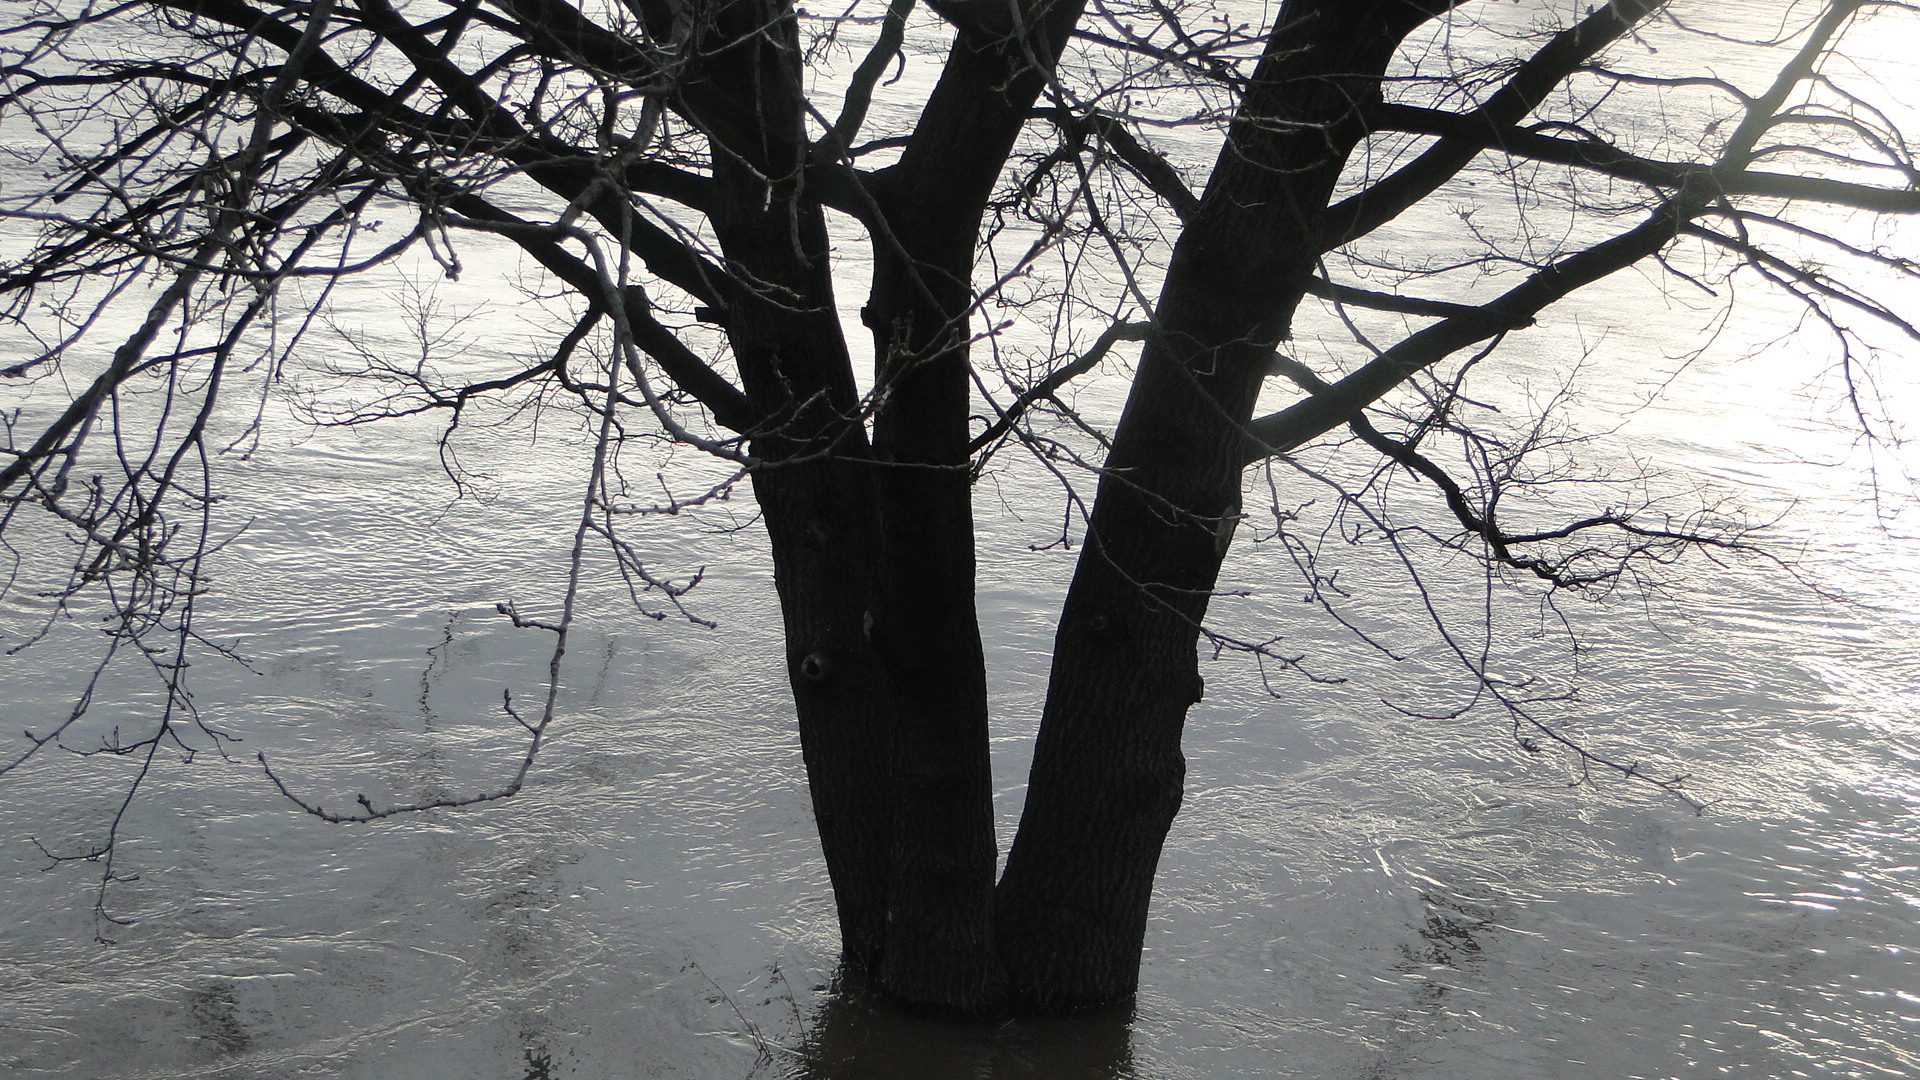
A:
x: 1034, y: 200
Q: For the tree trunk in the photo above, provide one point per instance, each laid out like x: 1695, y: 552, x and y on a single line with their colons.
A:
x: 820, y: 521
x: 940, y: 953
x: 873, y: 547
x: 1107, y: 772
x: 817, y: 492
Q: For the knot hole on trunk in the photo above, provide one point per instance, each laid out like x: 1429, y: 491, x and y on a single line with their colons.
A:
x: 814, y: 667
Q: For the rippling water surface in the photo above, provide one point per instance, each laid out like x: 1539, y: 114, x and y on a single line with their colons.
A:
x: 1351, y: 890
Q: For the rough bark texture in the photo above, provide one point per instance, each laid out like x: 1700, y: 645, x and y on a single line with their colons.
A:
x: 1108, y: 770
x: 874, y: 548
x: 940, y: 925
x: 817, y: 493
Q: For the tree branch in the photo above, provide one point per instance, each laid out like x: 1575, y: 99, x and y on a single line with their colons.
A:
x: 1360, y: 214
x: 1604, y: 157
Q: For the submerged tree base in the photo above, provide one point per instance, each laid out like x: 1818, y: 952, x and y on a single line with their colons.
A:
x: 859, y: 1034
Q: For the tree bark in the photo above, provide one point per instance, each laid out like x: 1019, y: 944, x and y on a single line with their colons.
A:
x: 1108, y: 770
x: 940, y: 953
x: 873, y: 547
x: 816, y: 487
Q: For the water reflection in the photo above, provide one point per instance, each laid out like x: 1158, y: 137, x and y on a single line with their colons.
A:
x: 855, y: 1037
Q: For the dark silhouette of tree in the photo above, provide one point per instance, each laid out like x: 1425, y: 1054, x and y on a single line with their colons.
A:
x: 674, y: 167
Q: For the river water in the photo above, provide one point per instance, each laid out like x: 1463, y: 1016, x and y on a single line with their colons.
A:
x: 1354, y: 888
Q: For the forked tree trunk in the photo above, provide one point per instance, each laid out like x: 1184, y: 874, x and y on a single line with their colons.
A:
x: 873, y: 547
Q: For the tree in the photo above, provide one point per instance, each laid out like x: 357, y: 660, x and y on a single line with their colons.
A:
x: 675, y: 170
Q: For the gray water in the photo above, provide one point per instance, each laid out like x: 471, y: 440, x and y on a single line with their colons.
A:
x: 1350, y: 890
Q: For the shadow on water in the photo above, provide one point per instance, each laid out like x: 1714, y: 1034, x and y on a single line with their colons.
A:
x: 854, y: 1037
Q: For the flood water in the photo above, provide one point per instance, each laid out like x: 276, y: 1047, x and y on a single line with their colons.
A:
x: 1359, y: 884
